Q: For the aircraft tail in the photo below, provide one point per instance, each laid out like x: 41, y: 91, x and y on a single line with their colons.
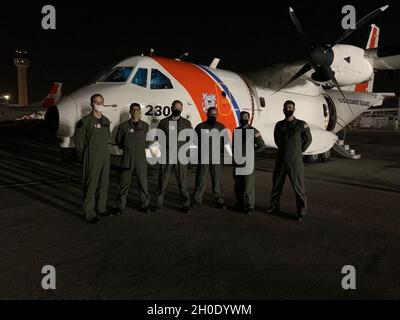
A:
x: 53, y: 96
x: 372, y: 43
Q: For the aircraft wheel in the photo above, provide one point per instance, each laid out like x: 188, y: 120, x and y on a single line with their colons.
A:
x: 68, y: 155
x: 324, y: 157
x: 311, y: 159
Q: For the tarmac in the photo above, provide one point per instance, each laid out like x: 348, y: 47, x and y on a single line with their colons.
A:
x: 354, y: 219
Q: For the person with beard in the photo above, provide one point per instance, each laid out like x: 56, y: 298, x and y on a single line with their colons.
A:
x: 245, y: 185
x: 176, y: 123
x: 131, y: 138
x: 205, y: 166
x: 292, y: 137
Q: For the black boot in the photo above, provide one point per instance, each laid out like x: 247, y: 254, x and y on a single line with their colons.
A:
x: 195, y: 204
x: 118, y: 211
x: 221, y: 205
x: 94, y: 220
x: 186, y: 209
x: 272, y: 209
x: 145, y: 209
x: 106, y: 213
x: 301, y: 213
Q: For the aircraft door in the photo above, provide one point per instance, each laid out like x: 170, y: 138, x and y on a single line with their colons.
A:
x: 222, y: 98
x: 330, y: 115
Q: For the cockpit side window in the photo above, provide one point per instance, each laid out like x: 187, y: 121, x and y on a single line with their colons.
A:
x: 118, y: 74
x: 159, y: 80
x: 140, y: 78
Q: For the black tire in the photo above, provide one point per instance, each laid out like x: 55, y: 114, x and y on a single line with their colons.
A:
x: 311, y: 159
x: 324, y: 157
x: 68, y: 155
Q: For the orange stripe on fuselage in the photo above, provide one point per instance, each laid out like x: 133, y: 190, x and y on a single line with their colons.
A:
x: 197, y: 83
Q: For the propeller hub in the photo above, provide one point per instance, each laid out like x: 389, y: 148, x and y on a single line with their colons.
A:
x: 321, y: 56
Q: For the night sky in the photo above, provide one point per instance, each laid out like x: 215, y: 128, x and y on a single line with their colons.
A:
x: 91, y: 36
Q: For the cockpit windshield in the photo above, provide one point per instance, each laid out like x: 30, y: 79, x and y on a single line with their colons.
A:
x: 117, y: 74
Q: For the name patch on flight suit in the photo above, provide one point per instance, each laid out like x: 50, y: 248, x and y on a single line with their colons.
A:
x: 97, y: 125
x: 131, y: 130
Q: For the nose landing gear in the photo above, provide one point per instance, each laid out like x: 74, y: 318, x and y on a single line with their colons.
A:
x: 314, y: 158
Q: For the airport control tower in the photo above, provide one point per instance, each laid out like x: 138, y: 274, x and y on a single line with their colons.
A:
x: 22, y: 63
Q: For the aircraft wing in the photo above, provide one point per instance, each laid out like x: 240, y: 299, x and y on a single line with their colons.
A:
x: 384, y: 59
x: 274, y: 77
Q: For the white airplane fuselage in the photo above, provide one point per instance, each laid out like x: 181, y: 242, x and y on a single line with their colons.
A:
x: 162, y: 81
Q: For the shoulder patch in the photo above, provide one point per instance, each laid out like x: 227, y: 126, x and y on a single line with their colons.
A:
x: 305, y: 125
x: 257, y: 134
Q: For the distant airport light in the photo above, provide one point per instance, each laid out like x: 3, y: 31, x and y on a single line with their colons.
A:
x: 5, y: 98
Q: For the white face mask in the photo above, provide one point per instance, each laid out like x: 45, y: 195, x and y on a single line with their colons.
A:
x: 99, y: 107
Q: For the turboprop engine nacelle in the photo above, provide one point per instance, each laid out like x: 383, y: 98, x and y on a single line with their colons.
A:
x: 349, y: 65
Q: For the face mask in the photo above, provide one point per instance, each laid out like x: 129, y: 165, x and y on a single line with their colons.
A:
x: 244, y: 122
x: 176, y: 112
x: 136, y: 115
x: 211, y: 120
x: 99, y: 107
x: 288, y: 113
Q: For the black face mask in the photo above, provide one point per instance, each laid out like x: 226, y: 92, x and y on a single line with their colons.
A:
x: 288, y: 113
x: 212, y: 120
x: 244, y: 122
x: 176, y: 112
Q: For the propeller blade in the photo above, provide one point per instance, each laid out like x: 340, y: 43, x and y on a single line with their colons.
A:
x: 329, y: 72
x: 298, y: 25
x: 360, y: 23
x: 302, y: 71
